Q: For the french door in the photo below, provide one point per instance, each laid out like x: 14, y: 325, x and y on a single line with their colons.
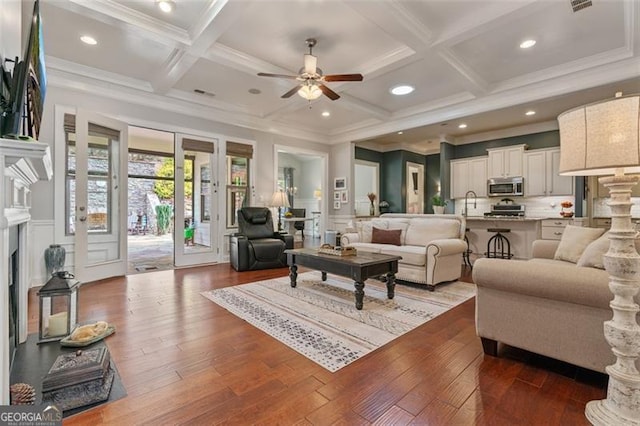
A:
x: 97, y: 196
x: 195, y: 202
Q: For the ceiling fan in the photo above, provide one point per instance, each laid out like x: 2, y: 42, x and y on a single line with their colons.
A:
x: 311, y: 78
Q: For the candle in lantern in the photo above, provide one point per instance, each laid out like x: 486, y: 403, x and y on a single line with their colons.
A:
x: 58, y: 324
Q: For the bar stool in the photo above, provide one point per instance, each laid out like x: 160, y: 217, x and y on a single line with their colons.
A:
x: 499, y: 246
x: 468, y: 251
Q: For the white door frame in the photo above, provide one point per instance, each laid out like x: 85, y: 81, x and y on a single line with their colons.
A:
x: 325, y: 189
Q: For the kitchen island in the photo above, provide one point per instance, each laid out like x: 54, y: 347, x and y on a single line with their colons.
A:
x: 524, y: 231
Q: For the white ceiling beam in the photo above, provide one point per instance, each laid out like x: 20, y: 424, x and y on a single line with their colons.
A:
x: 359, y: 104
x: 490, y: 17
x: 476, y: 84
x: 218, y: 20
x: 395, y: 20
x: 241, y: 61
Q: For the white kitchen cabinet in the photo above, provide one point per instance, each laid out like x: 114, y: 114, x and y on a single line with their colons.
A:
x: 469, y: 174
x: 552, y: 229
x: 505, y: 162
x: 541, y: 174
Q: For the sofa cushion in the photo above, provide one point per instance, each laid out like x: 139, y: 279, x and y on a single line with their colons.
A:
x: 365, y: 229
x: 401, y: 224
x: 421, y: 231
x: 593, y: 254
x: 386, y: 236
x: 411, y: 255
x: 574, y: 241
x: 368, y: 247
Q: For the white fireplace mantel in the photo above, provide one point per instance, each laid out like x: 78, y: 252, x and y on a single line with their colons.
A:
x: 23, y: 163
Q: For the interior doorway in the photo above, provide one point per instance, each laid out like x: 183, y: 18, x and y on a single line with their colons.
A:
x: 302, y: 175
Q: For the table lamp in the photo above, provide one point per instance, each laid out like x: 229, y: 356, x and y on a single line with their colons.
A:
x: 279, y: 200
x: 603, y: 138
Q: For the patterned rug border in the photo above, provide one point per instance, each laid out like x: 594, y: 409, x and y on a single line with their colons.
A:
x: 319, y: 319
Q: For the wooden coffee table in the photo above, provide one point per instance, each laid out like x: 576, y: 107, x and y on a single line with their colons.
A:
x: 359, y: 268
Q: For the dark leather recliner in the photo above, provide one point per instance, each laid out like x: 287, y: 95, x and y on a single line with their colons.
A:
x: 256, y: 245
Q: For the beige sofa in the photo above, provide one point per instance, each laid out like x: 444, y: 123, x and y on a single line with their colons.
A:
x: 550, y: 307
x: 431, y: 246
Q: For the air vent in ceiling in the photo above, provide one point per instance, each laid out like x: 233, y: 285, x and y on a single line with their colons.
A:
x: 203, y: 92
x: 580, y: 4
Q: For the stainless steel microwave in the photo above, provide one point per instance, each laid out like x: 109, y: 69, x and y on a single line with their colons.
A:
x: 497, y: 187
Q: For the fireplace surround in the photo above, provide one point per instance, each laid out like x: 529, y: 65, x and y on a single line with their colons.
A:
x: 23, y: 163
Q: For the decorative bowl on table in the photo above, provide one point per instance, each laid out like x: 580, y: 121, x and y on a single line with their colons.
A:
x: 566, y: 214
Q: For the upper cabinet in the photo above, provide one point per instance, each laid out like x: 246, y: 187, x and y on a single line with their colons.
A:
x: 469, y: 174
x: 541, y: 174
x: 505, y: 162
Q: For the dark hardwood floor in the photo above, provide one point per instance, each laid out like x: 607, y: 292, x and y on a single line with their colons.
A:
x: 185, y: 360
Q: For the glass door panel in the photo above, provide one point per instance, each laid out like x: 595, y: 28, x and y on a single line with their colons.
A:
x: 96, y: 207
x: 195, y: 195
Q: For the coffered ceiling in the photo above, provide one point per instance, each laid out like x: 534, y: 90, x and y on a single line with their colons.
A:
x: 461, y: 56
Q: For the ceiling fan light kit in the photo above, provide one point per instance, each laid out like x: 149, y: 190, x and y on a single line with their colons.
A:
x: 310, y: 92
x: 311, y: 80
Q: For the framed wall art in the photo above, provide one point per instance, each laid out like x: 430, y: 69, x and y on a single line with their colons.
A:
x: 340, y: 183
x: 336, y: 196
x: 344, y: 196
x: 336, y: 205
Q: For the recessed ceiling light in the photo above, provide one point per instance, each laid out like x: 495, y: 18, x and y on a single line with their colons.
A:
x: 255, y: 91
x: 400, y: 133
x: 530, y: 113
x: 88, y: 40
x: 402, y: 90
x: 462, y: 126
x: 527, y: 44
x: 166, y: 6
x: 326, y: 113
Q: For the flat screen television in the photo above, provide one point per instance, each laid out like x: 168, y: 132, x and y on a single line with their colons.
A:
x: 23, y: 91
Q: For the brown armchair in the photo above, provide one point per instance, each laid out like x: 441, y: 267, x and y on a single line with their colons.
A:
x: 256, y: 245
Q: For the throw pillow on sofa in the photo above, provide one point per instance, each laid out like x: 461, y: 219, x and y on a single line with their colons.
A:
x: 384, y: 236
x: 593, y: 254
x: 574, y: 241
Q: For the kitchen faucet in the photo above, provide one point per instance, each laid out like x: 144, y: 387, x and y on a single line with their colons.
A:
x: 466, y: 198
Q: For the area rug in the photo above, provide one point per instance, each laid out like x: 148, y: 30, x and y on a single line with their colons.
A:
x: 319, y: 319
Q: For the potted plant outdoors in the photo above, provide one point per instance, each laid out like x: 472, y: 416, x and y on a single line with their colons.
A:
x: 438, y: 204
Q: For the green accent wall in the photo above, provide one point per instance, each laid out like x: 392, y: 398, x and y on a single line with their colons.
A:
x: 433, y: 180
x: 548, y: 139
x: 393, y: 187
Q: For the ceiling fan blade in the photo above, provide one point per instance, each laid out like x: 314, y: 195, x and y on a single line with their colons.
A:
x: 291, y: 92
x: 343, y: 77
x: 266, y: 74
x: 328, y: 92
x: 310, y: 64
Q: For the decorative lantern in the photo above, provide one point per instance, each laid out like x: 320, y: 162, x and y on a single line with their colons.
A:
x: 58, y: 307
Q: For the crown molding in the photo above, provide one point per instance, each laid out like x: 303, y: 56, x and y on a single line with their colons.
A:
x: 527, y: 129
x: 131, y: 95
